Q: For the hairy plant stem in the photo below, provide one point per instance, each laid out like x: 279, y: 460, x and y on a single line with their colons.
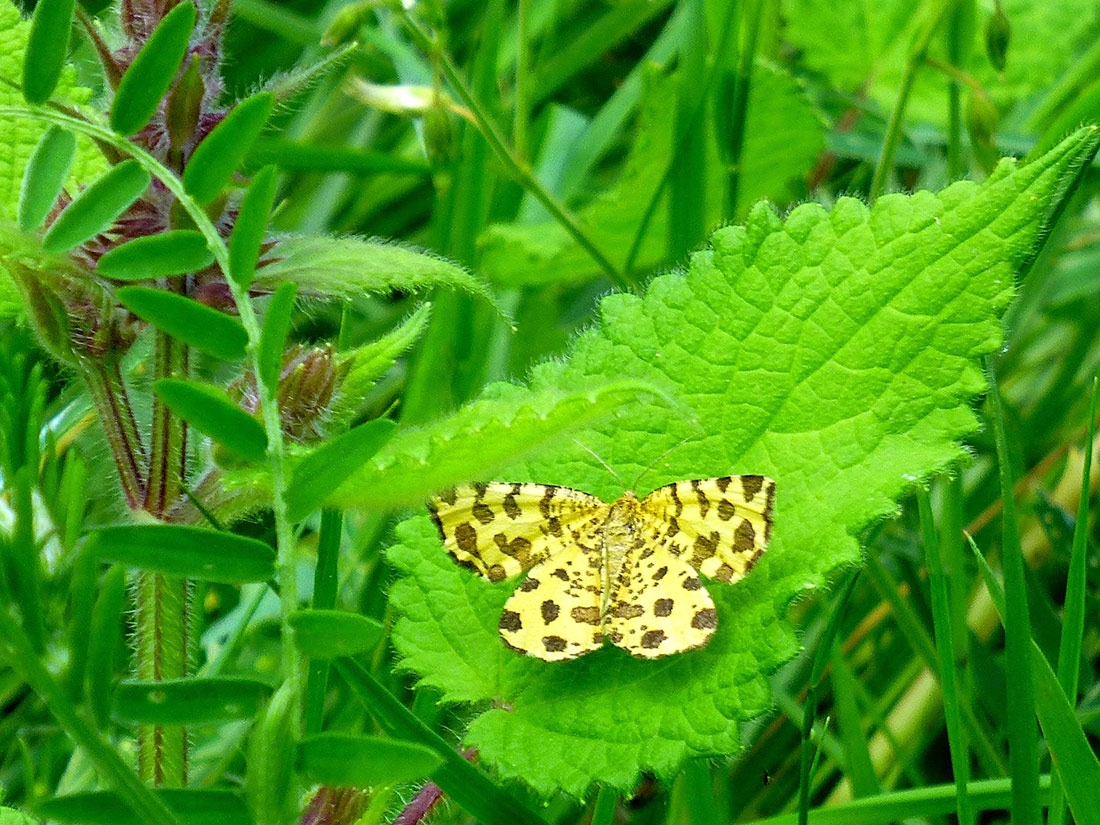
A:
x: 286, y: 559
x: 162, y: 615
x: 112, y: 403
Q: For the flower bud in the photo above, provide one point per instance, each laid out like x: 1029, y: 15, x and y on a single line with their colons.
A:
x: 335, y: 806
x: 346, y: 24
x: 306, y: 386
x: 998, y: 33
x: 184, y: 104
x: 981, y: 122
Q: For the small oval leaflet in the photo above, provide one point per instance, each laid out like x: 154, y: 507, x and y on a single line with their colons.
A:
x: 193, y: 805
x: 96, y: 208
x: 174, y: 252
x: 188, y: 552
x: 343, y: 759
x: 219, y: 154
x: 46, y: 48
x: 248, y: 231
x: 185, y: 319
x: 325, y: 469
x: 191, y: 701
x: 211, y: 411
x: 329, y: 634
x: 152, y: 70
x: 45, y: 176
x: 274, y: 332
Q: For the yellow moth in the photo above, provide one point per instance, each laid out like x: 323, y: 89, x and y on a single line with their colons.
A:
x: 627, y: 572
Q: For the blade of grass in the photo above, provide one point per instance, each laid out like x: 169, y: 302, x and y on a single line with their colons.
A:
x: 324, y: 598
x: 468, y: 787
x: 933, y: 800
x: 1070, y: 750
x: 808, y: 756
x: 1073, y: 620
x: 687, y: 187
x: 945, y: 646
x: 1023, y: 736
x: 21, y: 656
x: 603, y: 812
x: 857, y: 756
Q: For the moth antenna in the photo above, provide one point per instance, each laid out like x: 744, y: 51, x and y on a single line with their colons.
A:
x: 657, y: 461
x: 605, y: 465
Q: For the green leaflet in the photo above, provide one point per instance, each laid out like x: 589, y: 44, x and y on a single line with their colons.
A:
x: 21, y: 136
x: 851, y: 43
x: 784, y: 135
x: 346, y: 267
x: 833, y: 351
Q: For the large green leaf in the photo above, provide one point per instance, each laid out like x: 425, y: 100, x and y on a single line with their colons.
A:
x: 834, y: 351
x: 783, y: 136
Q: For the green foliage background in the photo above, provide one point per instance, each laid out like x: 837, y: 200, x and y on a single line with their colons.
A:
x: 502, y: 235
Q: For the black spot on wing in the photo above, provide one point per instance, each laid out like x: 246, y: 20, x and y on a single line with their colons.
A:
x: 550, y: 611
x: 554, y: 644
x: 652, y: 639
x: 751, y: 486
x: 510, y: 620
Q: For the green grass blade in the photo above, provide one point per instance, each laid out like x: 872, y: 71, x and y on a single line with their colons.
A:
x: 933, y: 800
x: 945, y: 646
x: 462, y: 782
x: 857, y: 756
x: 1073, y: 620
x: 1070, y: 751
x: 1023, y: 736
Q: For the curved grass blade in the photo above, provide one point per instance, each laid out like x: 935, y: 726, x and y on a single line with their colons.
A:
x: 1023, y: 735
x: 96, y: 208
x: 1073, y: 756
x: 197, y: 325
x: 47, y: 47
x: 187, y: 552
x: 945, y: 647
x: 248, y: 231
x: 45, y: 176
x: 219, y: 154
x: 175, y: 252
x: 211, y: 411
x: 191, y: 701
x: 152, y: 71
x: 461, y: 781
x: 1073, y: 620
x: 341, y: 760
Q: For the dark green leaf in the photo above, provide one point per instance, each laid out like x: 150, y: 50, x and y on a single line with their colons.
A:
x: 154, y: 256
x: 189, y: 321
x: 193, y: 701
x: 188, y: 552
x: 46, y: 48
x: 217, y: 157
x: 341, y: 759
x: 211, y: 411
x: 269, y: 776
x: 248, y: 231
x: 45, y: 175
x: 325, y: 469
x: 194, y: 807
x: 152, y: 71
x: 328, y: 634
x: 273, y: 335
x: 96, y: 208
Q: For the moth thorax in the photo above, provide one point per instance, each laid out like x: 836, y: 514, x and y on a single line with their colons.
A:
x: 622, y: 520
